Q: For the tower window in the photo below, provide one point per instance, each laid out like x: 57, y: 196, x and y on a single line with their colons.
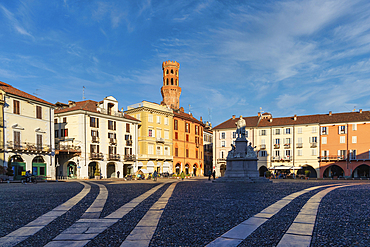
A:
x: 167, y: 81
x: 166, y: 72
x: 171, y: 71
x: 171, y: 81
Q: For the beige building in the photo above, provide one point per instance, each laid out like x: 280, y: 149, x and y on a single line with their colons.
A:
x: 92, y: 135
x: 28, y: 135
x: 155, y: 136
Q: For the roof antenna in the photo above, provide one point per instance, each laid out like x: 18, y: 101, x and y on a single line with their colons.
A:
x: 261, y: 110
x: 189, y: 108
x: 83, y: 93
x: 36, y: 92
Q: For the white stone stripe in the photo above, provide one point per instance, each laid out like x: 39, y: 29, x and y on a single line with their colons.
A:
x: 94, y: 211
x: 84, y: 230
x: 144, y: 230
x: 33, y: 227
x: 240, y: 232
x: 300, y: 231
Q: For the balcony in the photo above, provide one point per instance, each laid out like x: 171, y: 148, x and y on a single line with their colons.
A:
x: 96, y: 156
x: 114, y: 157
x: 222, y: 160
x: 299, y: 145
x: 287, y: 158
x: 128, y: 142
x: 276, y: 146
x: 112, y: 141
x: 287, y: 145
x: 276, y: 158
x: 130, y: 157
x: 28, y: 147
x: 95, y: 139
x: 313, y: 144
x: 333, y: 158
x: 160, y: 140
x: 64, y: 148
x: 263, y: 146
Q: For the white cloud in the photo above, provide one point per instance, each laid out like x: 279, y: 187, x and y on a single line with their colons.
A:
x: 14, y: 22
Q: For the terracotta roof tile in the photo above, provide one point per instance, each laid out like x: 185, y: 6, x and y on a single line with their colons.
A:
x: 186, y: 116
x: 12, y: 90
x: 231, y: 123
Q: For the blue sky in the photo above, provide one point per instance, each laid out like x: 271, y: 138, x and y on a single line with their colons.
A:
x: 288, y: 57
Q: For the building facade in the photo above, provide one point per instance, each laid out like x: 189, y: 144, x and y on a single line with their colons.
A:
x: 155, y: 136
x: 92, y: 135
x: 208, y: 148
x: 28, y: 133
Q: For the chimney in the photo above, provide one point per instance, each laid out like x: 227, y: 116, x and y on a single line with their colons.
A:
x: 233, y: 117
x: 330, y: 113
x: 71, y: 103
x: 295, y: 117
x: 360, y: 110
x: 259, y: 114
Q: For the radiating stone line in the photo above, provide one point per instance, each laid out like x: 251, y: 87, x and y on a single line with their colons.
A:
x: 144, y: 230
x: 84, y: 230
x: 94, y: 211
x: 300, y: 232
x: 33, y: 227
x: 240, y: 232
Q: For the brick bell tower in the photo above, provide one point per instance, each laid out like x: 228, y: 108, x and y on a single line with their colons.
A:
x: 171, y: 90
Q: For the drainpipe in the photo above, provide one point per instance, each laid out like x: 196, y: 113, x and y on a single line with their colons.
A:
x: 347, y: 152
x: 85, y: 138
x: 293, y: 146
x: 51, y: 146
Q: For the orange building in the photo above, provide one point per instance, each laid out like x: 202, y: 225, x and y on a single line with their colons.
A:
x: 345, y: 150
x: 187, y: 130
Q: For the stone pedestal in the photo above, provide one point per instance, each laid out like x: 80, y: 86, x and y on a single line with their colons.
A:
x: 241, y: 164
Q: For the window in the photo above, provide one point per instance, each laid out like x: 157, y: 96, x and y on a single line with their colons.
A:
x: 277, y: 131
x: 94, y: 133
x: 277, y: 153
x: 166, y: 120
x: 176, y: 152
x: 246, y: 134
x: 222, y: 143
x: 64, y: 120
x: 313, y: 139
x: 187, y: 127
x: 287, y: 131
x: 287, y: 141
x: 223, y: 135
x: 196, y: 154
x: 151, y: 133
x: 352, y: 154
x: 94, y: 148
x: 112, y: 135
x: 354, y: 126
x: 64, y: 133
x: 325, y: 153
x: 277, y: 141
x: 127, y: 128
x: 342, y: 154
x: 314, y: 129
x: 94, y: 122
x: 262, y: 153
x: 128, y: 151
x: 299, y: 152
x: 111, y: 125
x: 187, y: 138
x: 262, y: 132
x: 175, y: 125
x: 299, y: 130
x: 287, y: 153
x: 342, y: 129
x: 159, y: 133
x: 324, y: 130
x: 166, y: 151
x: 56, y: 133
x: 158, y: 119
x: 187, y: 153
x: 159, y: 151
x: 324, y: 140
x: 138, y: 116
x: 354, y: 139
x: 234, y: 135
x: 196, y: 130
x: 176, y: 135
x: 55, y: 120
x: 38, y: 112
x: 342, y: 139
x: 112, y: 150
x: 313, y: 151
x: 150, y: 149
x: 171, y: 81
x: 150, y: 118
x: 16, y: 108
x: 299, y: 140
x: 166, y: 134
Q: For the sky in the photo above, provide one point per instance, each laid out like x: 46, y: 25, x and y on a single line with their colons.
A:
x: 236, y: 57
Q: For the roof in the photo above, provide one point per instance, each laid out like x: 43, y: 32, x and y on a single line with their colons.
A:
x: 186, y: 116
x: 88, y: 105
x: 298, y: 120
x: 12, y: 90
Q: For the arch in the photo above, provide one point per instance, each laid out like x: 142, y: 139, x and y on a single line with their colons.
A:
x: 362, y: 171
x: 72, y: 169
x: 92, y: 168
x: 178, y: 167
x: 150, y: 166
x: 18, y: 166
x: 333, y: 171
x: 186, y: 169
x: 167, y: 81
x: 171, y: 81
x: 111, y: 170
x: 313, y: 173
x: 38, y: 166
x: 171, y: 71
x: 195, y: 167
x: 166, y: 167
x: 262, y: 171
x: 222, y: 169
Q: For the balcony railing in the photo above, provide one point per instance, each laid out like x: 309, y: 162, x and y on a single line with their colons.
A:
x: 287, y: 145
x: 160, y: 140
x: 333, y: 157
x: 112, y: 141
x: 287, y: 158
x: 28, y: 147
x: 313, y: 144
x: 299, y: 145
x: 130, y: 157
x: 128, y: 142
x: 112, y: 113
x: 114, y: 157
x: 263, y: 146
x: 67, y: 148
x: 276, y: 158
x: 95, y: 139
x: 276, y: 146
x: 96, y: 156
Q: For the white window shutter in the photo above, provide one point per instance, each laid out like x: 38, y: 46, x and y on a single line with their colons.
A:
x: 339, y: 129
x: 338, y: 152
x: 220, y: 135
x: 327, y: 130
x: 309, y: 139
x: 345, y: 129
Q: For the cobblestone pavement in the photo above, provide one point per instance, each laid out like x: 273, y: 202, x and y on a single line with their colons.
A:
x: 193, y: 212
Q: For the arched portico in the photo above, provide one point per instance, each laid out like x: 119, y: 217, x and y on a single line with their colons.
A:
x: 92, y: 169
x: 38, y: 166
x: 222, y: 169
x: 361, y: 171
x: 333, y: 171
x: 18, y: 166
x: 186, y: 169
x: 262, y: 171
x: 313, y: 173
x: 71, y: 169
x: 111, y: 170
x: 195, y: 168
x: 178, y: 168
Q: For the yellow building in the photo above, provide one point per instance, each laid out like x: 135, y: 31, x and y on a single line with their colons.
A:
x: 155, y: 136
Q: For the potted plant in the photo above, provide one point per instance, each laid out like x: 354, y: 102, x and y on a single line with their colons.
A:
x: 307, y: 173
x: 97, y: 173
x: 268, y: 174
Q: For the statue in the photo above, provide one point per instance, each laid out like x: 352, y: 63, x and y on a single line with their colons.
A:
x: 240, y: 127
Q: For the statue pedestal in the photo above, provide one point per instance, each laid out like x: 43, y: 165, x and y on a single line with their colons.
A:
x: 241, y: 165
